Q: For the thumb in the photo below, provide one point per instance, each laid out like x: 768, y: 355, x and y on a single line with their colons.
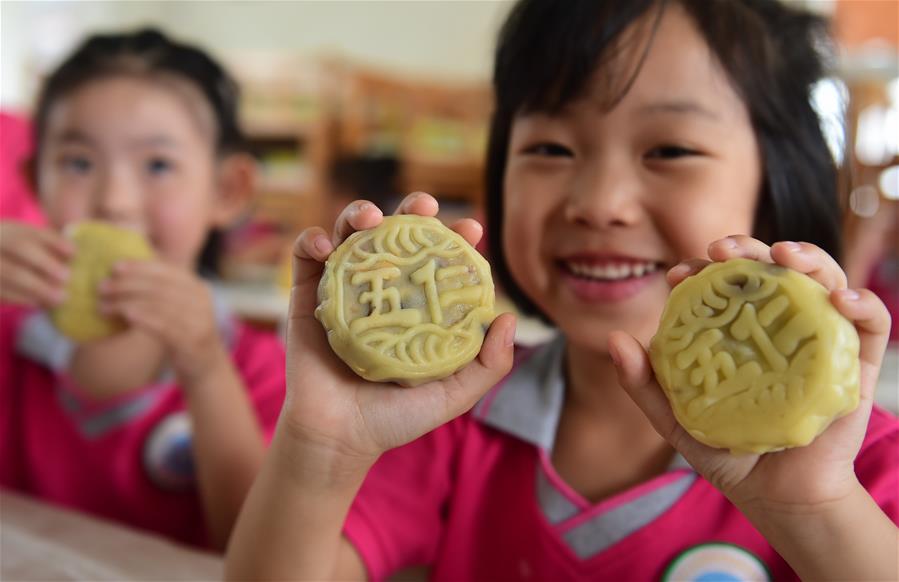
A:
x: 636, y: 377
x: 467, y: 386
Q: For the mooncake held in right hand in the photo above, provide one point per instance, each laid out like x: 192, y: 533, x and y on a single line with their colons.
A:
x: 98, y: 247
x: 754, y: 358
x: 408, y: 301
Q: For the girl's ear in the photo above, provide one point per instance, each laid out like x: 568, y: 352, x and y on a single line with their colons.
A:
x: 236, y: 185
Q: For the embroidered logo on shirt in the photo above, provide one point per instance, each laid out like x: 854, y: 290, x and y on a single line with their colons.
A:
x: 168, y: 453
x: 716, y: 562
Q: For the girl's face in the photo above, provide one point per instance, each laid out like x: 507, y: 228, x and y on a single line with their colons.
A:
x: 137, y: 153
x: 599, y: 204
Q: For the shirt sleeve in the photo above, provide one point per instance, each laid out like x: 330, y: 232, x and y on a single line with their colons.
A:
x: 397, y: 518
x: 260, y: 361
x: 12, y: 474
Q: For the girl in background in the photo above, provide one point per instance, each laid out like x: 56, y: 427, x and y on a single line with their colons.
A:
x: 162, y: 426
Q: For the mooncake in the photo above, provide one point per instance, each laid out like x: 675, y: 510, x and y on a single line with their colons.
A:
x: 98, y: 246
x: 408, y: 301
x: 754, y: 358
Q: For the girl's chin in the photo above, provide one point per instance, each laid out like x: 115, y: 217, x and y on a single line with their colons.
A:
x: 593, y: 333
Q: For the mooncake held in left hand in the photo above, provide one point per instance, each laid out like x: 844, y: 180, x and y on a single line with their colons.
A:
x: 98, y: 246
x: 754, y: 357
x: 408, y: 301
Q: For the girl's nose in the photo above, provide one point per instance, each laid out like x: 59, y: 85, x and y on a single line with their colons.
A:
x: 118, y: 199
x: 604, y: 195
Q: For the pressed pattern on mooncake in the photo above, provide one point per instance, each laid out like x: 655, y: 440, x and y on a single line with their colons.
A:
x: 754, y: 357
x: 408, y: 301
x: 98, y: 246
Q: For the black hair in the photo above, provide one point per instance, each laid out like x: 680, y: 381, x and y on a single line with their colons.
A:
x: 148, y: 52
x: 773, y: 54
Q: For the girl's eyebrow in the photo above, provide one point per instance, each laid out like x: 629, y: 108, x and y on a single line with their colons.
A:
x: 679, y: 107
x: 69, y: 136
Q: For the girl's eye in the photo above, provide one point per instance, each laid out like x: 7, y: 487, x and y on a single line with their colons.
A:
x: 670, y: 152
x: 548, y: 149
x: 76, y: 164
x: 159, y: 166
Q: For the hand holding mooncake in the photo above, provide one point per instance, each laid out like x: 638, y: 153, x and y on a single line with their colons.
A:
x: 789, y: 475
x: 407, y: 335
x: 99, y: 246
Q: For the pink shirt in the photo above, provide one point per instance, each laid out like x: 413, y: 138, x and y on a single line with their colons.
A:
x: 478, y: 499
x: 128, y: 458
x: 17, y: 201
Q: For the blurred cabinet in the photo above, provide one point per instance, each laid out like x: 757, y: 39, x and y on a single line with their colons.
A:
x: 308, y: 120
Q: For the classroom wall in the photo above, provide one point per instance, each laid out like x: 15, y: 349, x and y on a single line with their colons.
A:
x: 452, y: 39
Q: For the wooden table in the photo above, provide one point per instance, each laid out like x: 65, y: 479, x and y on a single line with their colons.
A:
x: 44, y: 542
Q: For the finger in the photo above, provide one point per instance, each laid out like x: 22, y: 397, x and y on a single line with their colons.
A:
x: 464, y: 388
x: 470, y: 229
x: 685, y: 269
x: 420, y: 203
x: 143, y: 314
x: 811, y: 260
x: 872, y: 321
x: 40, y: 257
x: 740, y: 246
x: 15, y: 296
x: 148, y: 278
x: 22, y: 282
x: 58, y: 244
x: 311, y: 249
x: 358, y: 215
x: 636, y: 377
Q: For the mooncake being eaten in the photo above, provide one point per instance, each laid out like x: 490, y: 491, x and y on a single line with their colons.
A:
x: 754, y: 358
x: 98, y: 246
x: 408, y: 301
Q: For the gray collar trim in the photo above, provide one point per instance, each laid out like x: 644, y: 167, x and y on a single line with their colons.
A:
x: 528, y: 404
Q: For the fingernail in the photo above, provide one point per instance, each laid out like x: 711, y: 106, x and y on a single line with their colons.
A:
x: 63, y: 274
x: 729, y: 243
x: 509, y: 339
x: 850, y: 295
x: 322, y: 245
x: 791, y: 246
x: 363, y: 207
x: 616, y: 358
x: 679, y: 270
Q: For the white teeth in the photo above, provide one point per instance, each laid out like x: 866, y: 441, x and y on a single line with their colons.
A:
x: 612, y: 272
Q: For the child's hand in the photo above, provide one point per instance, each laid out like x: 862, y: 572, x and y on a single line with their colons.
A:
x: 34, y: 265
x: 174, y: 306
x: 798, y: 479
x: 330, y: 409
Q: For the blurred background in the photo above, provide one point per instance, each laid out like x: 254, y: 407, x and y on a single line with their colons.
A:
x: 374, y: 99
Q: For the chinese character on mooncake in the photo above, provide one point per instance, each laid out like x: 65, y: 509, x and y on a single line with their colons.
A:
x: 408, y: 301
x: 98, y: 246
x: 754, y: 358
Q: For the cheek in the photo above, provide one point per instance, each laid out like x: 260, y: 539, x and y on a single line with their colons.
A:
x: 717, y: 207
x: 178, y: 230
x: 65, y: 206
x: 524, y: 222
